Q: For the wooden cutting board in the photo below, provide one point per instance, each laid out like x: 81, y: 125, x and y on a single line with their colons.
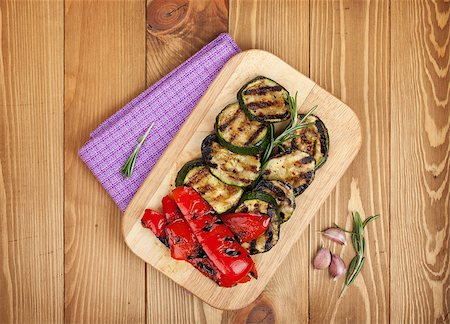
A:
x: 345, y: 141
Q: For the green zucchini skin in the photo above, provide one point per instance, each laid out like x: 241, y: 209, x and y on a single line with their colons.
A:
x: 231, y: 168
x: 283, y: 193
x: 239, y: 134
x: 296, y: 168
x: 264, y: 100
x: 313, y: 140
x: 181, y: 175
x: 260, y: 202
x: 221, y: 196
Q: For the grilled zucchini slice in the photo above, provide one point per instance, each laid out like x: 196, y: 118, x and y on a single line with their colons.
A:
x: 260, y: 202
x: 219, y: 195
x: 296, y: 168
x: 181, y: 175
x: 264, y: 100
x: 313, y: 140
x: 283, y: 194
x: 231, y: 168
x: 236, y: 132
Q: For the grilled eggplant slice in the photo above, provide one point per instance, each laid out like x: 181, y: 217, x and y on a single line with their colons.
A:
x: 264, y: 100
x: 231, y: 168
x: 260, y: 202
x: 283, y: 194
x: 236, y: 132
x: 313, y: 140
x: 296, y: 168
x: 219, y: 195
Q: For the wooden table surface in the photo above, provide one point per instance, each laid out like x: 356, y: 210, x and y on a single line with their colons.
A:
x: 65, y: 66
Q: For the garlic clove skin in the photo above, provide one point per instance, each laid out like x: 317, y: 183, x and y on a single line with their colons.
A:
x: 336, y: 235
x: 337, y: 267
x: 322, y: 259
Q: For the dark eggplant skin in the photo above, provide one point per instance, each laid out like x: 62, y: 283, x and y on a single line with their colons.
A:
x: 284, y: 113
x: 284, y: 195
x: 296, y: 168
x: 300, y: 142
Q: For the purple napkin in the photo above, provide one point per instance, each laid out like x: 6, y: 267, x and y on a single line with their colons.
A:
x: 167, y: 103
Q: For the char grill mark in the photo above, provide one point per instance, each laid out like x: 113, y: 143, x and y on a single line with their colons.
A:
x: 228, y: 122
x: 255, y: 135
x: 262, y: 90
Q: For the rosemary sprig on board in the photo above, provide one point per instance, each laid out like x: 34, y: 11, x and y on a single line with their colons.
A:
x: 359, y: 244
x: 290, y: 131
x: 128, y: 167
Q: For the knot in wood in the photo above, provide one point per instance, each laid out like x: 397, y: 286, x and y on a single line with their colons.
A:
x: 164, y: 15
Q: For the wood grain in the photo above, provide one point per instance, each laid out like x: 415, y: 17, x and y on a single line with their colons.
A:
x: 350, y: 58
x: 185, y: 146
x: 420, y: 172
x: 176, y: 29
x: 388, y: 60
x: 280, y: 27
x: 104, y: 69
x: 31, y: 169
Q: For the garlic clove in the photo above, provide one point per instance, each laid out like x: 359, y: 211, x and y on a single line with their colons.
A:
x: 322, y: 259
x: 336, y: 235
x: 337, y: 267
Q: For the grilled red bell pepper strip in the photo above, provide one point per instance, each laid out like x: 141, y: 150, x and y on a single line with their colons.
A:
x: 246, y: 226
x: 182, y: 242
x: 184, y: 245
x: 230, y: 258
x: 170, y: 209
x: 156, y: 222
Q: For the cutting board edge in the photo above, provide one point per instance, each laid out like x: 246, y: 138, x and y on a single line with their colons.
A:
x: 215, y: 302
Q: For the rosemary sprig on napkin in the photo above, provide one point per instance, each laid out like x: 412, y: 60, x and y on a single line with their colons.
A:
x: 359, y: 244
x: 128, y: 167
x: 290, y: 131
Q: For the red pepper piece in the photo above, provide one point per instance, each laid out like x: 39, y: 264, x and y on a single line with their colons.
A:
x: 170, y: 209
x: 230, y: 258
x: 245, y: 279
x: 184, y: 246
x: 182, y: 242
x: 246, y: 226
x: 155, y: 221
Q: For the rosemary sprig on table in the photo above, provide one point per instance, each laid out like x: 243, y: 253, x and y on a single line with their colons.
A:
x: 359, y: 244
x: 290, y: 131
x: 128, y: 167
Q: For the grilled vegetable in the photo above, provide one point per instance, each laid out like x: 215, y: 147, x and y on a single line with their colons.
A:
x: 296, y: 168
x: 156, y: 222
x: 216, y: 239
x: 231, y: 168
x: 182, y: 241
x: 181, y: 175
x: 264, y: 100
x: 170, y: 209
x: 219, y: 195
x: 283, y: 194
x: 313, y: 140
x: 236, y: 132
x: 262, y: 203
x: 185, y: 246
x: 246, y: 226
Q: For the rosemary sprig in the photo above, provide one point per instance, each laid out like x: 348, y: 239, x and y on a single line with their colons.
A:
x: 128, y: 167
x: 359, y: 244
x: 290, y: 131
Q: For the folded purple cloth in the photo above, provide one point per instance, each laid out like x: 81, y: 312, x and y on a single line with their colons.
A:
x: 167, y: 103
